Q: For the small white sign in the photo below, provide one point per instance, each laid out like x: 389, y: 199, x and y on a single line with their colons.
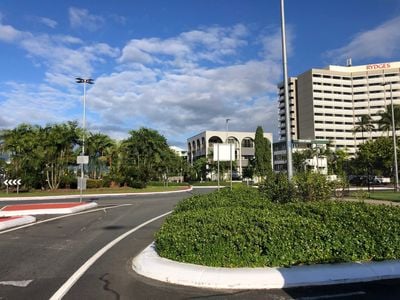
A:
x: 82, y: 159
x: 222, y: 153
x: 83, y: 183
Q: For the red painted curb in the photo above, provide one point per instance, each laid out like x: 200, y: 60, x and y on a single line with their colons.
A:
x: 42, y: 206
x: 5, y: 219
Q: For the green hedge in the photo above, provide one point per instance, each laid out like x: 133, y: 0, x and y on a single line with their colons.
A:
x: 242, y: 229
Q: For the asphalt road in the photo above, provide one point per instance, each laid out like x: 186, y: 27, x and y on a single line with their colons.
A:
x: 36, y: 261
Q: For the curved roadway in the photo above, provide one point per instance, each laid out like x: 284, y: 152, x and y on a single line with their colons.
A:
x: 36, y: 261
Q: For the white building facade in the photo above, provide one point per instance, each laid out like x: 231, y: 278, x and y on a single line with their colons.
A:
x: 326, y: 104
x: 201, y: 145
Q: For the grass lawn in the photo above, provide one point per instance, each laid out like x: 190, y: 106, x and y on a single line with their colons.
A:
x: 60, y: 192
x: 385, y: 195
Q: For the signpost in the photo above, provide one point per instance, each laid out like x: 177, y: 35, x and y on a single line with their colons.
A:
x: 224, y: 152
x: 12, y: 182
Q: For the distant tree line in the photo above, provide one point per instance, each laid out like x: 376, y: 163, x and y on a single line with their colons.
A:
x: 46, y: 157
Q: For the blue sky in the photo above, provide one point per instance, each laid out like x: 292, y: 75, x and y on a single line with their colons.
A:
x: 176, y: 66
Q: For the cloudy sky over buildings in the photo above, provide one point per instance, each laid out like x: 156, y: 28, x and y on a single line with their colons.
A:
x: 179, y: 67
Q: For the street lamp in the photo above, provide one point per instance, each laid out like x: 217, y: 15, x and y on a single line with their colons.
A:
x: 396, y: 171
x: 82, y: 160
x: 288, y: 128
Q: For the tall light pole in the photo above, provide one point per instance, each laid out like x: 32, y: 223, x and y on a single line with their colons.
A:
x: 82, y: 160
x: 396, y: 171
x: 287, y: 100
x: 227, y: 129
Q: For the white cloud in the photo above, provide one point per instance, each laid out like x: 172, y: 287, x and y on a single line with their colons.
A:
x: 380, y: 42
x: 9, y: 33
x: 179, y: 85
x: 48, y: 22
x: 81, y: 18
x: 212, y: 44
x: 35, y: 104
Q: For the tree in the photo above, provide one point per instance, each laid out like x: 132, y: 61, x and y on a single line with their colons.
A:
x: 375, y: 154
x: 142, y: 154
x: 364, y: 124
x: 385, y: 121
x: 59, y: 142
x: 98, y: 146
x: 262, y: 154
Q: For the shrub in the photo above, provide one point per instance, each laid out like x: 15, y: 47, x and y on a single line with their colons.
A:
x: 94, y: 183
x: 243, y: 229
x: 278, y: 189
x: 313, y: 186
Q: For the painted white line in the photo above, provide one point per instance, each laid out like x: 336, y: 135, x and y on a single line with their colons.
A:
x: 63, y: 290
x: 62, y: 217
x: 333, y: 296
x: 21, y: 283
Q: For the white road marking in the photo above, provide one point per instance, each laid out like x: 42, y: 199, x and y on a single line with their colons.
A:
x: 62, y: 217
x: 63, y: 290
x: 21, y: 283
x: 333, y: 296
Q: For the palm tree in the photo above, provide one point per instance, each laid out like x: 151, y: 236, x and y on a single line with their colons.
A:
x: 97, y: 146
x: 385, y: 121
x: 364, y: 124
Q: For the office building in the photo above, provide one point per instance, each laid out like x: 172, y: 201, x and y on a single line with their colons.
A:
x: 326, y: 104
x: 201, y: 145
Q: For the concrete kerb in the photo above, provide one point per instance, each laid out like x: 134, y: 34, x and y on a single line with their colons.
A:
x: 150, y: 265
x: 89, y: 196
x: 14, y: 222
x: 48, y: 211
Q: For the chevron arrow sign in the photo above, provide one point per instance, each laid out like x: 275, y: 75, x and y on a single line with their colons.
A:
x: 8, y: 182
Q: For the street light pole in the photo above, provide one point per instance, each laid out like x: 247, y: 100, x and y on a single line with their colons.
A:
x: 84, y: 81
x: 230, y: 147
x: 287, y: 100
x: 396, y: 171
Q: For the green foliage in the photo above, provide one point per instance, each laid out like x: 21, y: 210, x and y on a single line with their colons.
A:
x: 277, y: 188
x: 262, y: 154
x: 313, y: 186
x: 243, y: 229
x: 145, y: 155
x: 94, y: 183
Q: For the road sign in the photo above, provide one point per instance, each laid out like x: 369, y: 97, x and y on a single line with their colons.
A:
x: 8, y: 182
x: 82, y: 159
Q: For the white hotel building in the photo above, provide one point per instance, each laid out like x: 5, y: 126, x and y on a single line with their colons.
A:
x: 327, y: 103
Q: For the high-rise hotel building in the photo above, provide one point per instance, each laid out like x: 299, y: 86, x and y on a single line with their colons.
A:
x: 326, y: 104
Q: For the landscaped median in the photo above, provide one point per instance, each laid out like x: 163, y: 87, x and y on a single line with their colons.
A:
x: 243, y: 229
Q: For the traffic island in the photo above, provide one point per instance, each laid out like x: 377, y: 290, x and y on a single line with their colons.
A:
x: 45, y: 208
x: 9, y: 222
x: 149, y: 264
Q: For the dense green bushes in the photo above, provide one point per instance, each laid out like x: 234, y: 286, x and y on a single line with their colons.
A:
x: 308, y: 186
x: 241, y: 228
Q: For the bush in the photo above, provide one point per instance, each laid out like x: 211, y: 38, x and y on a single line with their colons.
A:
x: 94, y: 183
x: 278, y: 189
x: 243, y: 229
x: 313, y: 186
x: 136, y: 184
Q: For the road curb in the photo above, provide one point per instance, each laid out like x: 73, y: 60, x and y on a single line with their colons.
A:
x: 150, y: 265
x: 18, y: 221
x: 48, y: 211
x: 88, y: 196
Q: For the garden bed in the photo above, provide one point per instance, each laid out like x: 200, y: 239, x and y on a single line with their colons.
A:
x: 241, y: 228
